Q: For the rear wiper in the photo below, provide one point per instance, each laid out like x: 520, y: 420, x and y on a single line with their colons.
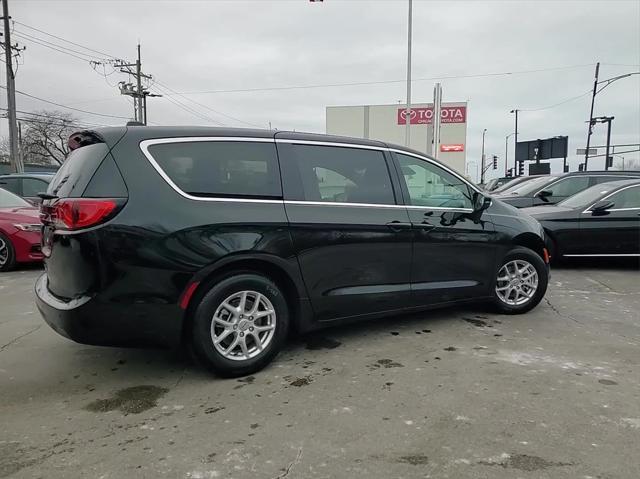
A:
x: 46, y: 196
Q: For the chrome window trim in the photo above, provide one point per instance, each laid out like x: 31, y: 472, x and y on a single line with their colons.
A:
x: 144, y: 147
x: 331, y: 143
x: 588, y: 210
x: 145, y: 144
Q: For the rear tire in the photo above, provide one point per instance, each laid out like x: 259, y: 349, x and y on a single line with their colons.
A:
x: 521, y: 281
x: 7, y: 254
x: 240, y: 325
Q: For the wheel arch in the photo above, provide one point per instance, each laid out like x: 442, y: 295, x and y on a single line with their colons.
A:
x: 531, y: 241
x: 276, y: 269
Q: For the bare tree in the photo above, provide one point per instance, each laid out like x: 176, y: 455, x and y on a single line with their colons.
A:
x: 5, y: 150
x: 44, y: 141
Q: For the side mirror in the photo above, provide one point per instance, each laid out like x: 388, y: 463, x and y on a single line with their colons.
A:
x: 481, y: 202
x: 601, y: 207
x: 544, y: 194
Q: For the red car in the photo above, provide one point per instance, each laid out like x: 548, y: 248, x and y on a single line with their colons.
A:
x: 20, y: 231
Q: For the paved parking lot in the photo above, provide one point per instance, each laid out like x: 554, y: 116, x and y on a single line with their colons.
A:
x: 452, y: 393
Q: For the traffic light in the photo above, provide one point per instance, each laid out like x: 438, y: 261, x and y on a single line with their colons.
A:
x: 609, y: 161
x: 521, y: 168
x: 581, y: 167
x: 509, y: 173
x: 495, y: 162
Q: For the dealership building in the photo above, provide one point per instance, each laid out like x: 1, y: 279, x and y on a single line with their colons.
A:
x: 387, y: 123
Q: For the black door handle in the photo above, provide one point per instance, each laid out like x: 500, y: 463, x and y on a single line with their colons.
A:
x: 398, y: 226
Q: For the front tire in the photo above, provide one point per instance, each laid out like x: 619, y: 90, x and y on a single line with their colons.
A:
x: 7, y: 254
x: 521, y: 282
x: 240, y: 325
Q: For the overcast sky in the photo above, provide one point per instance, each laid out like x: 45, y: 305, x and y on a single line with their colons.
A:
x: 198, y: 46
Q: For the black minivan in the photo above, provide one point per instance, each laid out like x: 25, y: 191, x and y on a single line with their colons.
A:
x: 226, y: 239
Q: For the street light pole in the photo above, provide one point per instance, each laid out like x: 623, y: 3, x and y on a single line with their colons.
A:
x: 515, y: 146
x: 407, y: 116
x: 482, y: 159
x: 593, y: 101
x: 506, y: 152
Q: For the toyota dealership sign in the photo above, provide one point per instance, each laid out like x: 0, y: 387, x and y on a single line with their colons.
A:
x: 424, y: 116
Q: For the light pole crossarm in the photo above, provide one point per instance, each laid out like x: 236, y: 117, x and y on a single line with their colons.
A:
x: 609, y: 81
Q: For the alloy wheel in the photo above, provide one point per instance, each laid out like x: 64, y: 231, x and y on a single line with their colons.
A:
x: 517, y: 282
x: 243, y: 325
x: 4, y: 252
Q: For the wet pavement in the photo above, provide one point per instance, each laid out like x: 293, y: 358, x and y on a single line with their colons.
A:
x: 457, y: 393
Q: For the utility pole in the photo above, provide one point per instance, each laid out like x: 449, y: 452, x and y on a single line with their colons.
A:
x: 407, y: 117
x: 590, y: 128
x: 143, y: 120
x: 15, y: 158
x: 482, y: 159
x: 137, y: 92
x: 515, y: 146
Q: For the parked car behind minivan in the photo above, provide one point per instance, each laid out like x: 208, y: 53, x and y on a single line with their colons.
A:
x: 552, y: 189
x: 225, y: 239
x: 26, y: 185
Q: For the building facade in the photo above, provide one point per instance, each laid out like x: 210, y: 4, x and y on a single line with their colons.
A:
x: 387, y: 123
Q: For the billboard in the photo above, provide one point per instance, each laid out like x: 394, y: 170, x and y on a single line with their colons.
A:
x: 424, y: 115
x: 546, y: 149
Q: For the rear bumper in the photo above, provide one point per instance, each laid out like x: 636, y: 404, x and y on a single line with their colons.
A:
x: 88, y: 320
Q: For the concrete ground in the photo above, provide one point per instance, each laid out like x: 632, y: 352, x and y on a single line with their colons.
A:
x: 458, y: 393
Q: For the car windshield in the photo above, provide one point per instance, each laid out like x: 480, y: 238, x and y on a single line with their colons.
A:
x: 530, y: 186
x: 511, y: 184
x: 9, y: 200
x: 588, y: 196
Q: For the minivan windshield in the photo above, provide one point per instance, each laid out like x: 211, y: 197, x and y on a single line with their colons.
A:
x: 531, y: 186
x: 588, y: 196
x: 10, y: 200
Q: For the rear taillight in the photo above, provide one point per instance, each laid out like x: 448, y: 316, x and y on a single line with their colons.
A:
x: 79, y: 213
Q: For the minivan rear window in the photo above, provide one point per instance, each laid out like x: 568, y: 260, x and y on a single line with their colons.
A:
x: 75, y: 173
x: 221, y: 168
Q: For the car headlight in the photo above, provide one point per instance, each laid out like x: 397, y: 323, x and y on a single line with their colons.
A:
x: 34, y: 228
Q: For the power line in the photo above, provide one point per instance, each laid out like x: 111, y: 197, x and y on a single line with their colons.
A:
x: 188, y: 109
x: 54, y: 117
x: 53, y: 48
x: 205, y: 106
x: 383, y: 82
x: 103, y: 54
x: 68, y: 107
x: 559, y: 103
x: 36, y: 39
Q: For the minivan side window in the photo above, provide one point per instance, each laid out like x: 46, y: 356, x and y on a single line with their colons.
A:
x: 431, y: 186
x: 221, y: 168
x: 12, y: 184
x: 627, y: 198
x: 32, y: 186
x: 568, y: 186
x: 337, y: 175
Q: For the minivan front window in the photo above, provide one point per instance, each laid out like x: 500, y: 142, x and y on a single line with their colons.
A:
x: 430, y: 185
